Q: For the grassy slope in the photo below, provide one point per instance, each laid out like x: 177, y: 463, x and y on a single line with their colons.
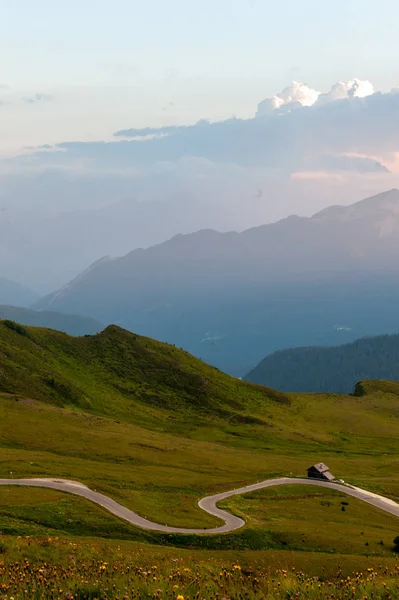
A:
x: 154, y: 427
x: 119, y: 374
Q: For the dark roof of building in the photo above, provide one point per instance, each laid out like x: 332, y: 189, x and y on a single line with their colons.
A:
x: 323, y: 470
x: 321, y: 467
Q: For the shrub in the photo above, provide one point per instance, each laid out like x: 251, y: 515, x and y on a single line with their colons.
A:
x: 16, y: 327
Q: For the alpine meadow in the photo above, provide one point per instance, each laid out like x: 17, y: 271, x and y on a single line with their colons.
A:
x: 152, y: 427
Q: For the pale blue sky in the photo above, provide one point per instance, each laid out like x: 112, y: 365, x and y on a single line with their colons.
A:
x: 112, y: 64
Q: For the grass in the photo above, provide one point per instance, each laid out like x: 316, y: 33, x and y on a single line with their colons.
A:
x: 48, y: 568
x: 317, y: 519
x: 156, y: 429
x: 117, y: 373
x: 290, y: 518
x: 148, y: 470
x: 41, y: 512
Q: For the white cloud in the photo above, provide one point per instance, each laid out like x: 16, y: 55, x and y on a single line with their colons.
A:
x: 295, y: 95
x: 353, y: 88
x: 299, y: 94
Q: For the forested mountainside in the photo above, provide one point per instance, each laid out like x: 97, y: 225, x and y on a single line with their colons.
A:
x: 330, y: 369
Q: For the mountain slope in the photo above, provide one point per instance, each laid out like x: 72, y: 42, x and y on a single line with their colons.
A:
x: 118, y: 373
x: 15, y: 293
x: 231, y: 298
x: 336, y: 369
x: 71, y: 324
x: 153, y: 427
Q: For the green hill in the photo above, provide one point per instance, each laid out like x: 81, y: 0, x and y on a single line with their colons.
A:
x: 330, y: 369
x: 72, y: 324
x: 157, y: 429
x: 117, y: 373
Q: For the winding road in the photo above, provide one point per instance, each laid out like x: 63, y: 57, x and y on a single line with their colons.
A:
x: 208, y: 504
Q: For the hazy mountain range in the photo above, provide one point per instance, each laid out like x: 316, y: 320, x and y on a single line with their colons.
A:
x: 54, y: 225
x: 15, y: 293
x: 46, y: 248
x: 71, y: 324
x: 232, y: 298
x: 332, y: 369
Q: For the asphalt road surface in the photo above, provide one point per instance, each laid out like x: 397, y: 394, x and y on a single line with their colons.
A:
x: 208, y: 504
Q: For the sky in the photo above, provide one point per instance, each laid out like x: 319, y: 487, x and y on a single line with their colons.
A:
x: 84, y: 69
x: 130, y: 122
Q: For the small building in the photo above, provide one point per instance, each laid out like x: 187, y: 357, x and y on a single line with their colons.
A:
x: 320, y: 471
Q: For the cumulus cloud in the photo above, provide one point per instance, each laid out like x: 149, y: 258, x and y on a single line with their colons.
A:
x: 354, y: 88
x: 295, y: 95
x: 298, y: 95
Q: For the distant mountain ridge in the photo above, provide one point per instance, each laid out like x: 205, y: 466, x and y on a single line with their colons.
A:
x: 332, y: 369
x: 231, y: 298
x: 15, y: 293
x: 72, y: 324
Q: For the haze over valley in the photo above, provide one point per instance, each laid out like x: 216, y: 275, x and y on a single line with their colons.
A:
x: 230, y: 298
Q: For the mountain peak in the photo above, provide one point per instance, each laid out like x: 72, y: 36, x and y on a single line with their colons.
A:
x: 385, y: 202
